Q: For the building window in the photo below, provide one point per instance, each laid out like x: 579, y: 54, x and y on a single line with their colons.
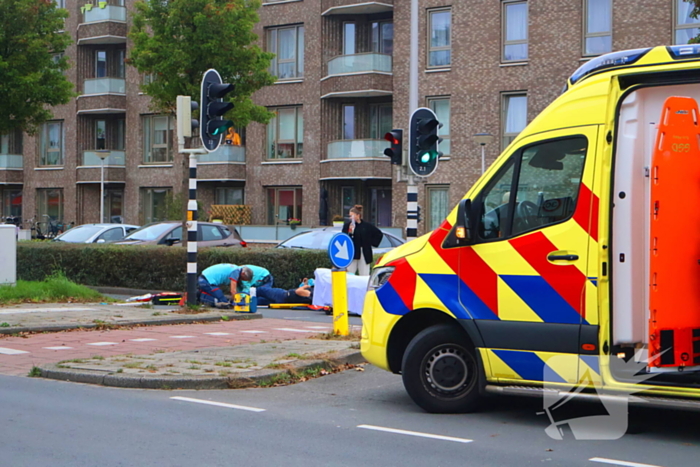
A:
x: 383, y: 37
x: 686, y: 27
x: 154, y: 204
x: 598, y: 27
x: 157, y: 139
x: 120, y: 142
x: 288, y: 46
x: 121, y: 63
x: 514, y: 117
x: 285, y: 134
x: 441, y: 107
x: 50, y: 204
x: 283, y: 204
x: 12, y: 204
x: 438, y: 205
x: 348, y: 122
x: 11, y: 143
x: 348, y: 200
x: 380, y: 120
x: 440, y: 27
x: 348, y: 38
x: 100, y: 63
x: 51, y: 152
x: 100, y: 134
x: 514, y: 31
x: 229, y: 196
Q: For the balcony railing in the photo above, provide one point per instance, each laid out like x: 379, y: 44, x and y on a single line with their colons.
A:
x: 359, y: 63
x: 353, y: 148
x: 103, y: 12
x: 225, y: 153
x: 104, y: 86
x: 115, y: 158
x: 11, y: 161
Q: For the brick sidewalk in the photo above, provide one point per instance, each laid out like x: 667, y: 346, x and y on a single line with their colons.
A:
x: 18, y: 355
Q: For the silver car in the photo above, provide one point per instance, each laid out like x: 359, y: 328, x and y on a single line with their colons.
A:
x: 318, y: 239
x: 96, y: 233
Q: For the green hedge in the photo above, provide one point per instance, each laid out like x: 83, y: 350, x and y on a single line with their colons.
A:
x: 156, y: 267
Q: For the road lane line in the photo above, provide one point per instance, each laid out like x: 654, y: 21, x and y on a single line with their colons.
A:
x: 181, y: 337
x: 6, y: 351
x: 58, y: 348
x: 143, y: 339
x: 603, y: 460
x: 255, y: 332
x: 218, y: 404
x: 218, y: 333
x: 102, y: 343
x: 415, y: 433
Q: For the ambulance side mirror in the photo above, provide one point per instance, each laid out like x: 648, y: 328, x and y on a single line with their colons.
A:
x: 461, y: 233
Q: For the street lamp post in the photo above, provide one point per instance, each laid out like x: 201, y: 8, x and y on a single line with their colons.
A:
x: 102, y: 154
x: 482, y: 140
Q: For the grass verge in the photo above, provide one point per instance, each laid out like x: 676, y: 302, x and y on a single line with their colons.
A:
x: 55, y: 288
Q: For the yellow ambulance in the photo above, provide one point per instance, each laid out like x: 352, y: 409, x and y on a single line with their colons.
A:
x: 543, y: 275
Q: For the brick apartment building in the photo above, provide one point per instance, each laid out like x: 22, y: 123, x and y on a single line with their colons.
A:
x: 485, y: 66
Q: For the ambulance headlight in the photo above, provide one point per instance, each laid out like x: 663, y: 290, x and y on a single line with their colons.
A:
x: 379, y: 277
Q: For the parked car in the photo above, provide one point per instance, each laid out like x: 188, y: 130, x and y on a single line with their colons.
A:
x: 318, y: 239
x: 170, y: 232
x: 96, y: 233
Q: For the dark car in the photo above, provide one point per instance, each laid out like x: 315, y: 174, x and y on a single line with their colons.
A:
x: 170, y: 232
x: 318, y: 239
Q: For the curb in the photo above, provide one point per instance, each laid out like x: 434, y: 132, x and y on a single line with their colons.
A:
x: 52, y: 371
x: 148, y: 322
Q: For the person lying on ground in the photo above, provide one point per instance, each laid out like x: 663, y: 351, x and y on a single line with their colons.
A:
x: 268, y: 295
x: 213, y: 277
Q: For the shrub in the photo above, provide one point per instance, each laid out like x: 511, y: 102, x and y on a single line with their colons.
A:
x: 156, y: 267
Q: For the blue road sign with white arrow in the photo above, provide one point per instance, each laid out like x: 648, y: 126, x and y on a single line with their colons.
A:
x: 341, y: 250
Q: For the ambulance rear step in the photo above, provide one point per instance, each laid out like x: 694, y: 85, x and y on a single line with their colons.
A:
x: 638, y: 400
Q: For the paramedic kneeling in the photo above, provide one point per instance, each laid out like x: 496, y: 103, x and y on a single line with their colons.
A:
x: 213, y: 277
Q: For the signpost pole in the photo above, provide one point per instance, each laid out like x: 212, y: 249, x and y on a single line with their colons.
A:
x: 341, y: 322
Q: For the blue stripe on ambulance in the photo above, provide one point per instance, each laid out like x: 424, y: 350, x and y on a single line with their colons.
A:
x: 444, y: 287
x: 528, y: 365
x: 543, y: 299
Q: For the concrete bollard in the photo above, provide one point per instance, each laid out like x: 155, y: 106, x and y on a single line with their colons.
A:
x: 8, y: 254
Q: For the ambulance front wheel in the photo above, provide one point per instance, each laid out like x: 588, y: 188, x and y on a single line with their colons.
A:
x: 440, y: 371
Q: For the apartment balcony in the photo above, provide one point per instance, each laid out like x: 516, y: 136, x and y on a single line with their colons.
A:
x: 102, y: 24
x: 358, y: 75
x: 103, y: 96
x: 227, y: 163
x: 11, y: 168
x: 361, y: 158
x: 355, y: 7
x: 114, y: 167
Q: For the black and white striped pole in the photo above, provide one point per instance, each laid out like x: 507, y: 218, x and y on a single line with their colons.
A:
x: 411, y: 211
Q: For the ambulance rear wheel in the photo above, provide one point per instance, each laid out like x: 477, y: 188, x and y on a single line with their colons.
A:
x: 440, y: 371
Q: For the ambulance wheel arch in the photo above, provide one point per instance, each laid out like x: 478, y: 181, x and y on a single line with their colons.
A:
x: 441, y: 371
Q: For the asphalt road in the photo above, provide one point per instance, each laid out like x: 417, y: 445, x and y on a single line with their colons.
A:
x: 337, y: 420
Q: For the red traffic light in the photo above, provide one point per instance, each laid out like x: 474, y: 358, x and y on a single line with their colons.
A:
x: 389, y: 136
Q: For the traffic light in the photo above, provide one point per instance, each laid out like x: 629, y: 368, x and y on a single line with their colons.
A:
x: 395, y: 152
x: 213, y: 108
x: 418, y: 217
x: 185, y: 123
x: 423, y: 140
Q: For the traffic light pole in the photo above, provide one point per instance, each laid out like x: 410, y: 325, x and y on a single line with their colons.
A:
x: 411, y: 187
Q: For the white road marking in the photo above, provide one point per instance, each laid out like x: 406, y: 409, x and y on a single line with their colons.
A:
x: 181, y: 337
x: 102, y: 343
x: 6, y: 351
x: 218, y: 404
x: 603, y: 460
x: 218, y: 333
x: 63, y: 347
x: 13, y: 311
x: 293, y: 330
x: 415, y: 433
x: 255, y: 332
x: 143, y: 339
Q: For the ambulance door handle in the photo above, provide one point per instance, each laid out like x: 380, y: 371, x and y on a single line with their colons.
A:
x: 556, y: 257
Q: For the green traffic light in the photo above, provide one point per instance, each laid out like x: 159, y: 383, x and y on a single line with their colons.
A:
x: 428, y: 156
x: 219, y: 127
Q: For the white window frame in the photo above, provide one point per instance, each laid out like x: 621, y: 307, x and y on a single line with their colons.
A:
x: 589, y: 35
x: 222, y: 192
x: 298, y: 60
x: 273, y: 132
x: 447, y: 47
x: 51, y: 155
x: 148, y: 133
x: 275, y: 203
x: 429, y: 214
x: 346, y: 44
x: 344, y: 122
x: 375, y: 120
x: 147, y: 202
x: 677, y: 26
x: 508, y: 137
x: 106, y: 62
x: 377, y: 46
x: 504, y: 16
